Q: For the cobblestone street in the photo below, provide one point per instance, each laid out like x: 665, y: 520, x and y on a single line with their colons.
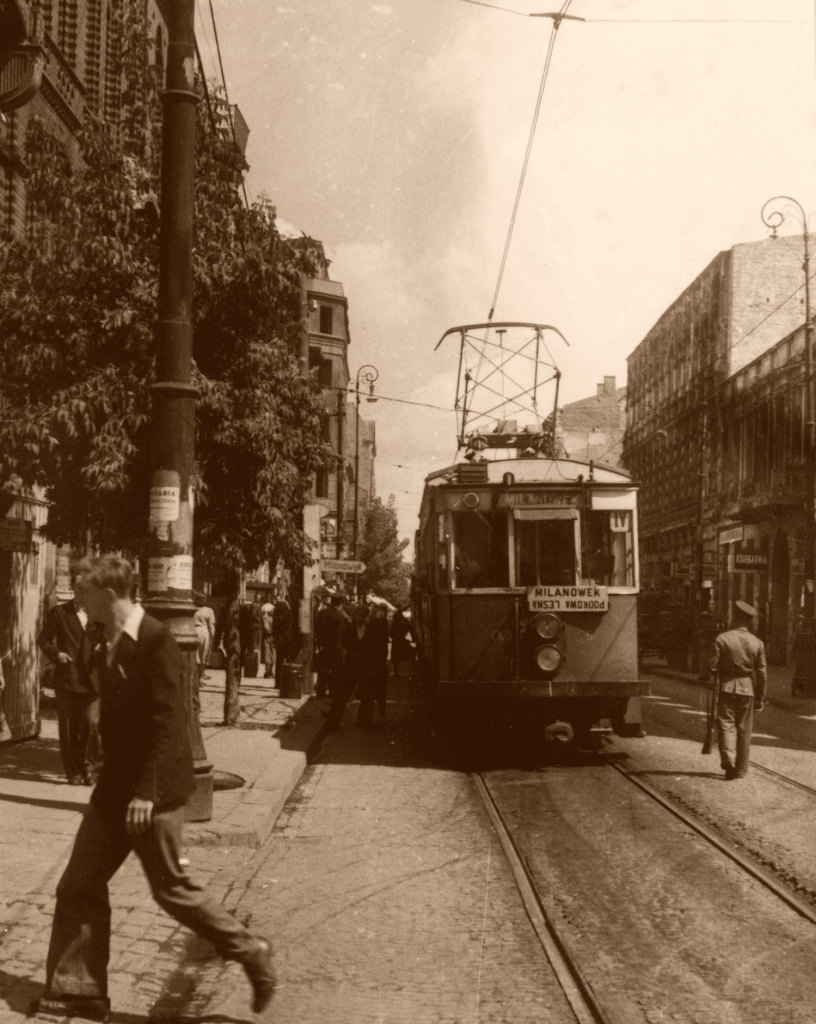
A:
x: 382, y: 887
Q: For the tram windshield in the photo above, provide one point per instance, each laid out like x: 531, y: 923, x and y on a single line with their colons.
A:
x: 550, y: 548
x: 480, y: 547
x: 545, y: 550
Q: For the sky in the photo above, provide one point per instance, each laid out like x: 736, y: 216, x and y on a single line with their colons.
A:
x: 395, y: 133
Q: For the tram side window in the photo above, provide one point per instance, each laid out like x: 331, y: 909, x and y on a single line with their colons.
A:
x: 545, y: 552
x: 480, y: 550
x: 607, y: 555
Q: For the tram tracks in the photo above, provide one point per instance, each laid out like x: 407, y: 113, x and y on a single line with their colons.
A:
x: 585, y: 1003
x: 576, y: 988
x: 754, y: 764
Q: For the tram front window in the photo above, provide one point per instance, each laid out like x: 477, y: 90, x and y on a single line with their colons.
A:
x: 608, y: 548
x: 545, y: 552
x: 480, y: 550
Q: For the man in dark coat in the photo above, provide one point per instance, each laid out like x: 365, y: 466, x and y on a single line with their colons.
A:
x: 335, y: 636
x: 138, y: 804
x: 72, y: 643
x: 738, y: 666
x: 373, y: 686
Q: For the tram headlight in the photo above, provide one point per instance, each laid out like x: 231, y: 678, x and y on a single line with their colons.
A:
x: 547, y: 625
x: 548, y: 658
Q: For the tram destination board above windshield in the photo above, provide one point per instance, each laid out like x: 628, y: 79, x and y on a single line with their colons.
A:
x: 568, y: 599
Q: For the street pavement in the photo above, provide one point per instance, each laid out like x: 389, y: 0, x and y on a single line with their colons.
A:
x: 41, y: 813
x: 779, y: 681
x: 381, y: 885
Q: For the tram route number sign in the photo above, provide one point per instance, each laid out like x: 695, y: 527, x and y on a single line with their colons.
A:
x: 568, y: 599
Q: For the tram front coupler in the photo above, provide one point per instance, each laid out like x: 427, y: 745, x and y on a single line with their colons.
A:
x: 559, y: 733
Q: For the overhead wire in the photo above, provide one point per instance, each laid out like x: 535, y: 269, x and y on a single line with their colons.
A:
x: 545, y: 73
x: 226, y: 95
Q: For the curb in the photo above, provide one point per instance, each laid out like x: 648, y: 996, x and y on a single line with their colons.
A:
x: 272, y: 765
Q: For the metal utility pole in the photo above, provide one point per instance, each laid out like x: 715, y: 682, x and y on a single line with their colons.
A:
x: 170, y: 540
x: 341, y: 469
x: 365, y: 375
x: 804, y: 675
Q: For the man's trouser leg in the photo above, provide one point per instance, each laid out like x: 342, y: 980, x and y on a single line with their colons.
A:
x: 744, y: 722
x: 727, y: 730
x: 69, y: 724
x: 77, y: 963
x: 88, y: 741
x: 159, y: 849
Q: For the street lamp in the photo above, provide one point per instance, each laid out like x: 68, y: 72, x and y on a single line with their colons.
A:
x: 804, y: 675
x: 366, y: 376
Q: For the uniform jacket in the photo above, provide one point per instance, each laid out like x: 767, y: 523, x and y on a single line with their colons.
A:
x: 143, y: 722
x: 63, y: 632
x: 739, y: 662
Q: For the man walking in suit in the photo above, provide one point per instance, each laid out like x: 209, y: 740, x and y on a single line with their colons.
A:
x: 70, y: 641
x: 738, y: 667
x: 137, y: 804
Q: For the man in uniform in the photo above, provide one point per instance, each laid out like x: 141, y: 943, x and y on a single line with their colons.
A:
x: 738, y: 667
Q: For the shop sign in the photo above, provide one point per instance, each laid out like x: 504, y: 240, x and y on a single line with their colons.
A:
x: 15, y: 535
x: 682, y: 570
x: 750, y: 561
x: 732, y: 536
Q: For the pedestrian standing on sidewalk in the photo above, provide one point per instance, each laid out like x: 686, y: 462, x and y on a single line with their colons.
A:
x: 138, y: 804
x: 268, y: 638
x: 402, y: 648
x: 740, y: 675
x: 373, y: 667
x: 72, y: 643
x: 204, y: 623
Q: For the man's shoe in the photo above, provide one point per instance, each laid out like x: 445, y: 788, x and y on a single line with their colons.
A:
x: 730, y: 774
x: 82, y: 1007
x: 75, y: 780
x: 258, y: 967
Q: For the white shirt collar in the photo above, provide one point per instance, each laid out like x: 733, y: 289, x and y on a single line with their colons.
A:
x: 133, y: 621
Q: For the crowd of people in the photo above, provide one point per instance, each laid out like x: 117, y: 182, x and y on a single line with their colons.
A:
x: 352, y: 651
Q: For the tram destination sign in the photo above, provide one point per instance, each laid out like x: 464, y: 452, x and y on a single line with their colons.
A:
x: 520, y: 499
x: 568, y: 599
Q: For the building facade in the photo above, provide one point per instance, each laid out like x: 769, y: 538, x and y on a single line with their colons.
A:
x: 714, y: 413
x: 340, y: 493
x: 592, y: 429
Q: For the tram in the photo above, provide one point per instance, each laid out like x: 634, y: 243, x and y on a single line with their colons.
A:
x: 526, y: 562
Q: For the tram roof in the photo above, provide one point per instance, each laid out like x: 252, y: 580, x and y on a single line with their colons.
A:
x: 527, y: 471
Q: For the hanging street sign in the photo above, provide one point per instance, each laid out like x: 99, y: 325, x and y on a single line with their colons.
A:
x: 341, y: 565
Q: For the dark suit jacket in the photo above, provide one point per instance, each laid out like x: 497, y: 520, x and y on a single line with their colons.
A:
x: 63, y: 632
x: 143, y: 722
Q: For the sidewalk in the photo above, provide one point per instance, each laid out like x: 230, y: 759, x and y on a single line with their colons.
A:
x: 40, y: 813
x: 779, y: 682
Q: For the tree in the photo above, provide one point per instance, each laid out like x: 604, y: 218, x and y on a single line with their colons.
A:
x: 386, y: 573
x: 77, y: 314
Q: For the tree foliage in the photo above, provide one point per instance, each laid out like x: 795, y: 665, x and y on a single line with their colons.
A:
x: 78, y: 308
x: 386, y: 572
